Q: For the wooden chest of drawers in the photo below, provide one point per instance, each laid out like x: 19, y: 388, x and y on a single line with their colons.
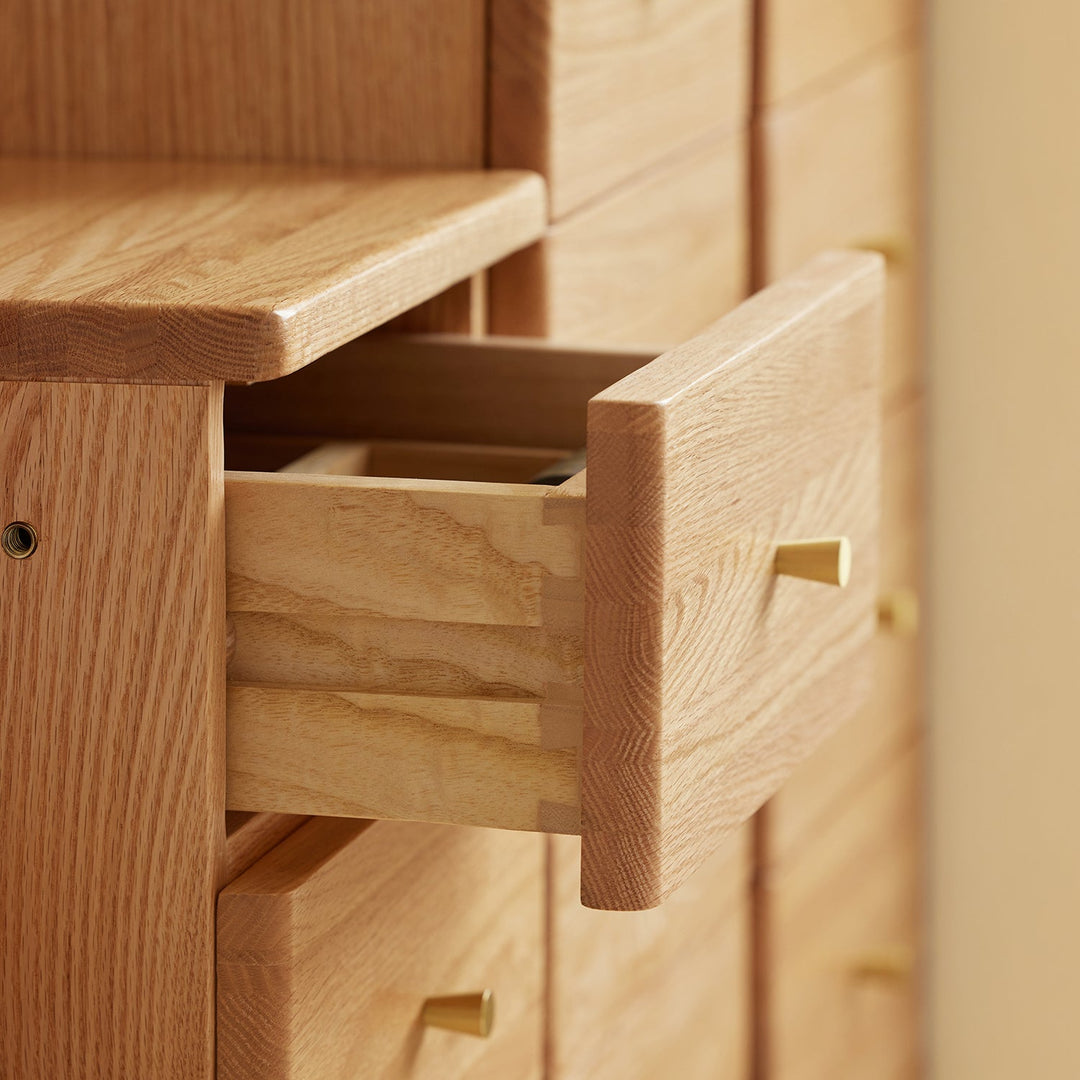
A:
x: 386, y: 263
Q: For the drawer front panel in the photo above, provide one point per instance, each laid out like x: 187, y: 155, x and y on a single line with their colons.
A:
x: 329, y: 946
x: 804, y: 41
x: 653, y: 263
x: 647, y: 994
x: 591, y: 92
x: 891, y: 717
x: 840, y: 925
x: 840, y: 168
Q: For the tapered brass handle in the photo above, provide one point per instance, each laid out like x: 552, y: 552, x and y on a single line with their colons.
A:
x: 896, y: 249
x: 827, y: 560
x: 474, y: 1014
x: 888, y: 963
x: 898, y: 611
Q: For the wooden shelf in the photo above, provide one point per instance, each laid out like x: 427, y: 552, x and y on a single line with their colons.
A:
x: 147, y: 271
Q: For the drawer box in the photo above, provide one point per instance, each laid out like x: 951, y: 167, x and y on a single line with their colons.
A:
x: 840, y: 168
x: 839, y: 923
x: 673, y: 679
x: 591, y: 92
x: 653, y: 993
x: 329, y: 946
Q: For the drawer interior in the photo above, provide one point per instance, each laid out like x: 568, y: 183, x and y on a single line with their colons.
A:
x: 440, y: 678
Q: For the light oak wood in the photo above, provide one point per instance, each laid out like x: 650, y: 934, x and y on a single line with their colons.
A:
x: 330, y: 945
x: 804, y: 43
x: 437, y: 551
x: 591, y: 92
x: 160, y: 272
x: 369, y: 654
x: 428, y: 461
x: 841, y: 168
x: 653, y: 262
x: 501, y: 391
x: 462, y: 309
x: 821, y: 786
x: 658, y: 993
x: 850, y: 894
x: 249, y: 836
x: 707, y: 677
x: 112, y: 730
x: 505, y: 764
x: 329, y: 81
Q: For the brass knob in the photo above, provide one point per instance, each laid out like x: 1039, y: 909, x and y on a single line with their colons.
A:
x: 826, y: 560
x: 474, y: 1014
x: 888, y: 963
x: 896, y: 249
x: 898, y: 611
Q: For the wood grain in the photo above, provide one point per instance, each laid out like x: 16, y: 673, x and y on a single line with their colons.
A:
x: 842, y: 168
x: 428, y: 461
x: 327, y: 81
x: 417, y: 657
x: 850, y: 895
x: 160, y: 272
x: 895, y: 710
x: 591, y: 92
x: 249, y: 836
x: 494, y: 763
x: 805, y: 42
x: 434, y: 550
x: 652, y: 263
x: 649, y: 994
x: 438, y: 387
x: 462, y: 309
x: 328, y: 947
x: 112, y: 730
x: 368, y: 654
x: 707, y: 678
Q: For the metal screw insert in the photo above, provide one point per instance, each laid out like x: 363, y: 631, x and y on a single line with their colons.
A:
x: 19, y: 540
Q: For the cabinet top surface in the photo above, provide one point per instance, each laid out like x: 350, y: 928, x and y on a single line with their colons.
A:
x: 161, y: 272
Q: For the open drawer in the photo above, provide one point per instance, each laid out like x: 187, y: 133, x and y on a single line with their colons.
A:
x: 636, y: 654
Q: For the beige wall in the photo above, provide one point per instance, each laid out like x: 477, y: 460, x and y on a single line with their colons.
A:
x: 1005, y: 478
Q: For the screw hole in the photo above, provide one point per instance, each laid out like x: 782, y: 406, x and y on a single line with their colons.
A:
x: 19, y: 540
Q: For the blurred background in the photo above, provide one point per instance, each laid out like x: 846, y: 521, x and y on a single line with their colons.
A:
x: 1004, y: 344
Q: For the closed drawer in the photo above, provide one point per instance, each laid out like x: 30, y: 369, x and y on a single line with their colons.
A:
x: 653, y: 993
x: 329, y: 946
x: 591, y: 92
x: 839, y: 922
x: 891, y: 716
x: 806, y: 41
x: 655, y: 262
x: 840, y: 167
x: 627, y: 655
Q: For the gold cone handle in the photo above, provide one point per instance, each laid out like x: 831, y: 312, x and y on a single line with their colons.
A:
x: 898, y: 611
x: 472, y: 1014
x: 888, y: 963
x: 827, y: 560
